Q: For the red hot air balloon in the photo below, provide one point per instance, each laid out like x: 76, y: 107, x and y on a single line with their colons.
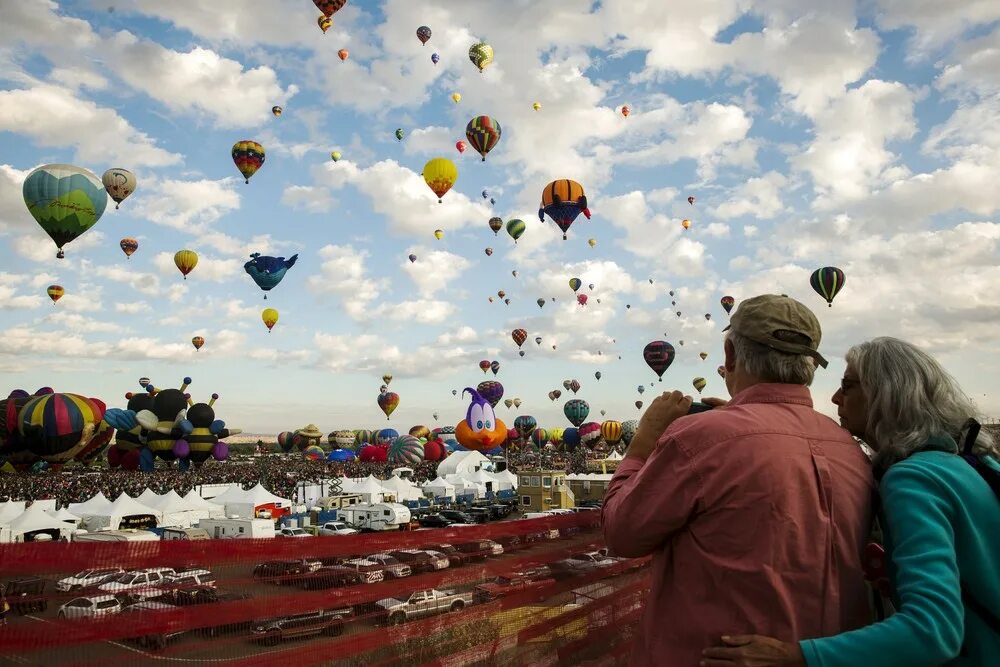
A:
x: 581, y: 299
x: 388, y: 402
x: 460, y: 145
x: 659, y: 354
x: 484, y: 365
x: 727, y: 303
x: 519, y: 336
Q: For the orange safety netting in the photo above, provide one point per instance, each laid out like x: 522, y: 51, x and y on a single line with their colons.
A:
x: 551, y: 598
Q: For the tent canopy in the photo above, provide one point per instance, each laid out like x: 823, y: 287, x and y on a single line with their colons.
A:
x: 35, y: 519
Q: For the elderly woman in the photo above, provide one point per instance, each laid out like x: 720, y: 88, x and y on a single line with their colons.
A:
x: 940, y: 518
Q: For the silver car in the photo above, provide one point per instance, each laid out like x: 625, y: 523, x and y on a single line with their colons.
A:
x: 391, y: 565
x: 91, y: 607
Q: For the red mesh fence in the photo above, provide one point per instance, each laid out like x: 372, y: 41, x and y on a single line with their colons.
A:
x: 551, y: 597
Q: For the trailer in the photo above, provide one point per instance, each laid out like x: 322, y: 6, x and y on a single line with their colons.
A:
x: 238, y: 528
x: 376, y: 516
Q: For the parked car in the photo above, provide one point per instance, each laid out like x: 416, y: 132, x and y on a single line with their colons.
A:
x: 480, y: 514
x: 455, y: 557
x: 480, y: 549
x: 516, y: 582
x: 336, y: 528
x: 370, y: 570
x: 214, y: 595
x: 581, y: 563
x: 455, y: 516
x: 88, y: 579
x: 91, y: 607
x: 156, y: 641
x: 191, y: 578
x: 284, y: 572
x: 330, y: 576
x: 391, y: 565
x: 421, y: 561
x: 287, y: 531
x: 139, y: 584
x: 422, y: 603
x: 26, y: 595
x: 434, y: 521
x: 443, y: 561
x: 328, y: 622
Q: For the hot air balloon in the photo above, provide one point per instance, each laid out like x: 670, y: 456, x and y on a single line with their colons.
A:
x: 581, y: 299
x: 440, y: 174
x: 496, y: 224
x: 625, y: 110
x: 575, y: 283
x: 197, y: 341
x: 439, y: 234
x: 128, y: 246
x: 501, y: 293
x: 515, y: 228
x: 540, y: 302
x: 483, y: 134
x: 699, y: 384
x: 574, y: 386
x: 691, y: 200
x: 727, y: 303
x: 64, y: 200
x: 598, y: 375
x: 388, y: 402
x: 536, y: 106
x: 324, y: 23
x: 456, y: 97
x: 659, y: 354
x: 249, y: 157
x: 703, y: 355
x: 423, y: 34
x: 563, y: 200
x: 329, y: 7
x: 492, y: 391
x: 576, y: 411
x: 612, y: 432
x: 592, y: 242
x: 638, y: 404
x: 721, y: 371
x: 412, y: 258
x: 268, y: 271
x: 270, y: 317
x: 387, y: 379
x: 827, y: 282
x: 460, y: 145
x: 435, y: 58
x: 335, y: 156
x: 538, y: 340
x: 495, y: 367
x: 185, y: 261
x: 641, y: 388
x: 519, y: 336
x: 708, y: 317
x: 484, y: 365
x: 343, y: 54
x: 118, y: 183
x: 489, y: 252
x: 686, y: 224
x: 399, y: 133
x: 481, y: 55
x: 55, y: 292
x: 276, y: 110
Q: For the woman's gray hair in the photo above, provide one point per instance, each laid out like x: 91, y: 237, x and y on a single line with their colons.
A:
x: 770, y: 365
x: 911, y: 397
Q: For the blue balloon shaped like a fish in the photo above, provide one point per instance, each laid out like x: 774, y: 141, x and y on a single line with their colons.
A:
x: 268, y: 271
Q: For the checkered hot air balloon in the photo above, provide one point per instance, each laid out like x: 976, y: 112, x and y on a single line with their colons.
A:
x: 406, y: 450
x: 481, y: 55
x: 483, y: 134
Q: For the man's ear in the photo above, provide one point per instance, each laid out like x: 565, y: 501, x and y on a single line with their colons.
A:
x: 730, y: 356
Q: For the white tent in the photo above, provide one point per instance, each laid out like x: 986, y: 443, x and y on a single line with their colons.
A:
x: 10, y: 510
x: 124, y: 512
x: 462, y: 462
x: 402, y: 489
x: 508, y: 480
x: 65, y: 516
x: 439, y: 488
x: 96, y: 505
x: 615, y: 455
x: 370, y: 489
x: 197, y: 503
x: 258, y: 495
x: 465, y: 486
x: 35, y: 520
x: 148, y: 497
x: 177, y: 512
x: 348, y: 485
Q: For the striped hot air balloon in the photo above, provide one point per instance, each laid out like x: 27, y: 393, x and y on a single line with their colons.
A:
x: 515, y: 228
x: 55, y: 292
x: 827, y: 282
x: 248, y: 156
x: 539, y: 437
x: 483, y: 134
x: 406, y: 450
x: 55, y: 425
x: 611, y: 431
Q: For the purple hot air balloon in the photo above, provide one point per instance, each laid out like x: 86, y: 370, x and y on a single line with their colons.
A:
x: 491, y: 390
x: 659, y: 354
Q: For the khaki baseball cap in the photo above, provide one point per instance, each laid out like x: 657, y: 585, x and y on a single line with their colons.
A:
x: 775, y: 320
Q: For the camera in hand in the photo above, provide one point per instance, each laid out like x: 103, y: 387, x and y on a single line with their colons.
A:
x: 699, y: 407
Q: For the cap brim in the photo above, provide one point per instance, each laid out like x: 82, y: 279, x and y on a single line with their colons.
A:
x: 728, y: 327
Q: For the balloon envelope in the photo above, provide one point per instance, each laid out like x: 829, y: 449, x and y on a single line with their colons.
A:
x: 64, y: 200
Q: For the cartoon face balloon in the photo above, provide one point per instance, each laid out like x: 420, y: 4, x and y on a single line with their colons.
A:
x: 480, y: 430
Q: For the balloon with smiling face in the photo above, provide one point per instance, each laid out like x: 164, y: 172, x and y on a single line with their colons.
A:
x: 480, y: 430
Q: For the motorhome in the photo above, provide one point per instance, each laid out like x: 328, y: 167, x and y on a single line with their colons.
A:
x: 376, y: 516
x: 238, y: 528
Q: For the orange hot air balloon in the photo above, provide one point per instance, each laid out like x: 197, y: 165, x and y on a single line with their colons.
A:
x: 686, y: 224
x: 128, y: 245
x: 55, y: 292
x: 197, y: 341
x: 343, y: 53
x: 626, y: 111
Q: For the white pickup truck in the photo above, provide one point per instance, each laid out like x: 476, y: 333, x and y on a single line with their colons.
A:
x: 423, y: 603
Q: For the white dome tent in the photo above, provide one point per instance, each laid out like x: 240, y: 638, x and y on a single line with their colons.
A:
x: 36, y: 521
x: 124, y: 512
x: 401, y: 489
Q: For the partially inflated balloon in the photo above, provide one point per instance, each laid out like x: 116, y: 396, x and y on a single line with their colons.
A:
x: 185, y: 261
x: 249, y: 157
x: 440, y: 174
x: 270, y: 317
x: 64, y: 200
x: 119, y: 184
x: 128, y: 246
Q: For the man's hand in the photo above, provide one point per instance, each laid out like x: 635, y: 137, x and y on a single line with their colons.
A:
x: 753, y: 651
x: 660, y: 414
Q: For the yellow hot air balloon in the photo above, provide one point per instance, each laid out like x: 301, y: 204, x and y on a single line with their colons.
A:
x: 686, y: 224
x: 55, y: 292
x: 440, y: 174
x: 335, y: 156
x: 270, y: 318
x: 324, y: 23
x: 699, y: 384
x: 481, y: 55
x: 592, y: 242
x: 185, y: 261
x: 536, y: 106
x: 438, y: 234
x: 456, y: 97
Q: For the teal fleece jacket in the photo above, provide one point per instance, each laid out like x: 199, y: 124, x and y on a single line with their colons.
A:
x: 941, y: 520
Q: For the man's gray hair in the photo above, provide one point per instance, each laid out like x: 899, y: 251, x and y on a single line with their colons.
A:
x: 770, y: 365
x: 911, y: 398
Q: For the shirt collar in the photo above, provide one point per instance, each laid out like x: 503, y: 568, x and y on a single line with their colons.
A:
x: 768, y: 392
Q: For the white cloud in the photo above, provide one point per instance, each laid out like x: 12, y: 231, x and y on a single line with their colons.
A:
x: 434, y: 270
x: 188, y: 206
x: 343, y: 274
x: 653, y: 235
x: 758, y: 197
x: 933, y: 22
x: 307, y: 198
x: 209, y: 268
x: 974, y: 66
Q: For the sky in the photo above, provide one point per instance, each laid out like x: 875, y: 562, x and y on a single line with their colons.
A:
x: 811, y: 132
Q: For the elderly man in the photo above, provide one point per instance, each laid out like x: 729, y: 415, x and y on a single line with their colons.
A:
x: 756, y: 511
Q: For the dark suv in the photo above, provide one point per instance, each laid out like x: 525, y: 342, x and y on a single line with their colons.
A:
x: 330, y: 577
x: 284, y: 572
x: 329, y: 622
x: 456, y: 517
